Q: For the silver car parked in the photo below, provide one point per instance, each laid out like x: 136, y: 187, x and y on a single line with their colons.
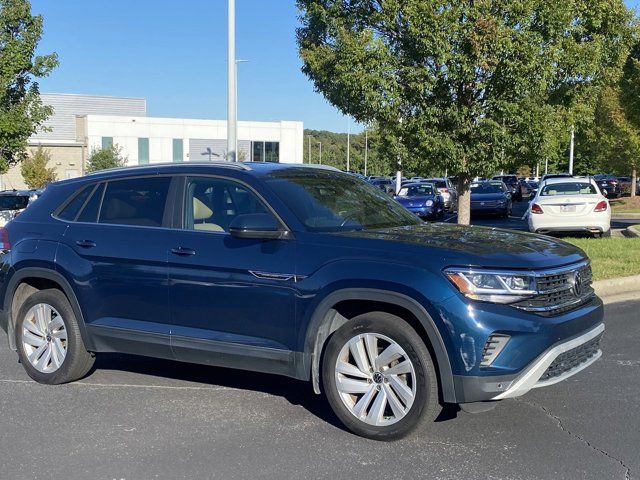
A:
x: 448, y: 191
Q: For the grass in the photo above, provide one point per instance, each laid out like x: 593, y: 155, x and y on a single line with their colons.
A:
x: 626, y: 205
x: 611, y: 257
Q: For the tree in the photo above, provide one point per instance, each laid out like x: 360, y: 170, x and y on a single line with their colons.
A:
x: 469, y: 86
x: 34, y: 169
x: 630, y: 103
x: 21, y: 110
x: 101, y: 159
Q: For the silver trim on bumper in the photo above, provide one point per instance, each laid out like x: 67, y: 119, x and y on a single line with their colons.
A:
x: 531, y: 375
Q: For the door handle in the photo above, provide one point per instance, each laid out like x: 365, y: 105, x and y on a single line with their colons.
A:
x: 183, y: 251
x: 86, y: 243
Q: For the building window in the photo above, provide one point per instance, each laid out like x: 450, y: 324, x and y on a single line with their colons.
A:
x: 178, y: 150
x: 143, y: 151
x: 107, y: 143
x: 265, y: 151
x: 272, y: 152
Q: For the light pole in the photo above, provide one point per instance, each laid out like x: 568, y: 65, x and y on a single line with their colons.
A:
x: 320, y: 144
x: 309, y: 154
x: 348, y: 143
x: 571, y: 151
x: 366, y: 150
x: 232, y: 88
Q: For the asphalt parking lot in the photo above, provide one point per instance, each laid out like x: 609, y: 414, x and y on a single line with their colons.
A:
x: 137, y: 418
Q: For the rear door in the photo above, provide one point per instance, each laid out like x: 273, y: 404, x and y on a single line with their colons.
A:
x: 115, y: 253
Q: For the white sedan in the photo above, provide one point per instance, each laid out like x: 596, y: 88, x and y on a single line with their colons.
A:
x: 570, y: 205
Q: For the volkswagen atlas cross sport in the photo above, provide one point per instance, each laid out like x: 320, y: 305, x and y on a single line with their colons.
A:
x: 299, y: 271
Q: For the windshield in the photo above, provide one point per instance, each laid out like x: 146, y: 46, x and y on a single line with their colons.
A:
x: 13, y: 202
x: 604, y: 177
x: 482, y: 188
x: 416, y: 190
x: 326, y: 201
x: 569, y: 189
x: 507, y: 180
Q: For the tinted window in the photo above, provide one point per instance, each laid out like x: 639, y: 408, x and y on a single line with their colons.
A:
x: 211, y: 204
x: 569, y: 189
x: 482, y: 188
x: 13, y: 202
x: 326, y: 201
x: 136, y: 201
x: 73, y: 207
x: 438, y: 183
x: 91, y: 209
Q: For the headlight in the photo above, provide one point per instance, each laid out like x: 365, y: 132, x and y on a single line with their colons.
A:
x: 502, y: 201
x: 428, y: 203
x: 492, y: 286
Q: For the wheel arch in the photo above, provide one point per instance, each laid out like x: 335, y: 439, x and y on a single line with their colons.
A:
x: 27, y: 280
x: 327, y: 318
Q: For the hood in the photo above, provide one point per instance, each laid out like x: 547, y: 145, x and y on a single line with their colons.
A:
x: 414, y: 201
x: 479, y: 197
x: 448, y: 245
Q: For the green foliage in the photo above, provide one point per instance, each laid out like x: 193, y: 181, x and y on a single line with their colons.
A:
x: 470, y: 86
x: 21, y: 110
x: 34, y: 169
x: 101, y: 159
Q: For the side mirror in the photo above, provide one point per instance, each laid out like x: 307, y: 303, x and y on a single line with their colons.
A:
x: 257, y: 226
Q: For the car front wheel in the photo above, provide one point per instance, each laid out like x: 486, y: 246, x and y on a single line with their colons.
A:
x: 379, y: 377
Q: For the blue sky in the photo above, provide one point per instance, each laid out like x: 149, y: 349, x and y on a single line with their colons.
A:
x: 173, y: 53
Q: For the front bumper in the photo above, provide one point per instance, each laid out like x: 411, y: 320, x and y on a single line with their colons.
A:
x: 556, y: 364
x: 425, y: 212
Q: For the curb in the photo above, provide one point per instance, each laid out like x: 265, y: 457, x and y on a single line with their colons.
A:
x: 632, y: 231
x: 622, y: 216
x: 617, y: 286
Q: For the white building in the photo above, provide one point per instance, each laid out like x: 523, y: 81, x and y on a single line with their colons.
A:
x: 81, y: 124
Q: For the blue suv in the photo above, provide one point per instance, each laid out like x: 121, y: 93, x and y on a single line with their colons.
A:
x: 299, y: 271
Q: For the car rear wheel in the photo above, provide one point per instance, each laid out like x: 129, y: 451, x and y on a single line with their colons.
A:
x: 379, y: 377
x: 48, y: 339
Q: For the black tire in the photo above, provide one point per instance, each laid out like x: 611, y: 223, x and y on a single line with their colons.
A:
x: 425, y: 407
x: 77, y: 362
x: 606, y: 234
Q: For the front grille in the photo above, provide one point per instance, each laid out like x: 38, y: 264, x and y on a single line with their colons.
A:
x: 560, y: 292
x: 487, y: 203
x: 575, y: 357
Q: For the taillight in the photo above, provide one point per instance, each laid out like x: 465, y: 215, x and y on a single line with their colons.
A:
x: 4, y: 239
x: 601, y: 206
x: 535, y: 208
x: 443, y: 190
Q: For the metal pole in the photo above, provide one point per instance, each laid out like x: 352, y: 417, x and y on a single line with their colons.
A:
x: 320, y: 144
x: 571, y: 152
x: 366, y: 150
x: 309, y: 155
x: 232, y: 92
x: 348, y: 142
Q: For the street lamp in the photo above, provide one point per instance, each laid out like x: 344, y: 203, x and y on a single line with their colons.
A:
x: 232, y: 88
x: 320, y: 144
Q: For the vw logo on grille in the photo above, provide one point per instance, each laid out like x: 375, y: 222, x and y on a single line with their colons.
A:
x: 578, y: 284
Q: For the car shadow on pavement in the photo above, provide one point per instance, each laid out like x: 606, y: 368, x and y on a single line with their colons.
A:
x: 294, y: 391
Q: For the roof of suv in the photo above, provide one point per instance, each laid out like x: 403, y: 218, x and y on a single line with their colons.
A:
x: 153, y: 168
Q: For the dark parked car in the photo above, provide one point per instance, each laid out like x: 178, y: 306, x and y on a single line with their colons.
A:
x: 513, y: 184
x: 384, y: 184
x: 299, y: 271
x: 422, y: 199
x: 491, y: 197
x: 533, y: 187
x: 609, y: 185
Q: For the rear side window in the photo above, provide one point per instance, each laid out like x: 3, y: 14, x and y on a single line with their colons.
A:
x: 70, y: 211
x: 92, y: 207
x: 136, y: 201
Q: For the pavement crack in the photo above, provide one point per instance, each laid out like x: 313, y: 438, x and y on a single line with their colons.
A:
x: 580, y: 438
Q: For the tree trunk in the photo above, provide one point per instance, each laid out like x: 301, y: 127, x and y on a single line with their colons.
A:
x: 634, y: 181
x: 464, y: 199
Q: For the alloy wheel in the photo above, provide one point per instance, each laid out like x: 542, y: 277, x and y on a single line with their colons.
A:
x: 375, y: 379
x: 44, y: 338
